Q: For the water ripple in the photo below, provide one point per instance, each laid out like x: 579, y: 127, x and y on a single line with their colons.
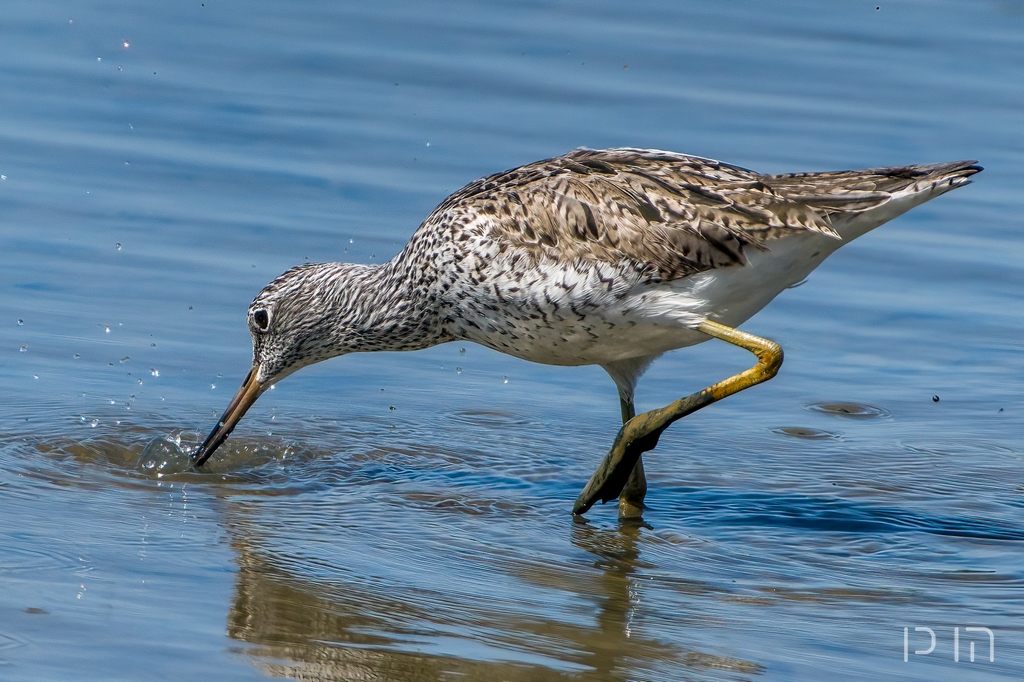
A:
x: 829, y: 515
x: 849, y: 410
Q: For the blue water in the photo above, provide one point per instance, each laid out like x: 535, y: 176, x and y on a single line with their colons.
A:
x: 406, y: 516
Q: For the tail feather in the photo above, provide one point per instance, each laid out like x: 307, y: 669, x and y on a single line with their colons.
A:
x: 858, y: 201
x: 871, y: 183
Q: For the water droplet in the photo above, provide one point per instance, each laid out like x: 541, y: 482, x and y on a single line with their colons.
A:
x: 169, y: 454
x: 462, y: 351
x: 139, y: 380
x: 113, y: 402
x: 24, y: 348
x: 132, y: 396
x: 392, y: 407
x: 124, y: 359
x: 76, y: 356
x: 458, y: 370
x: 935, y: 398
x: 273, y: 386
x: 94, y: 423
x: 82, y: 418
x: 152, y: 345
x: 212, y: 386
x: 35, y: 376
x: 504, y: 380
x: 99, y: 59
x: 20, y: 321
x: 154, y: 372
x: 106, y: 329
x: 118, y: 245
x: 3, y: 177
x: 351, y: 241
x: 126, y: 44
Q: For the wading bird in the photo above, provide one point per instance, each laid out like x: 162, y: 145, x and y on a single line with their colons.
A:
x: 606, y: 258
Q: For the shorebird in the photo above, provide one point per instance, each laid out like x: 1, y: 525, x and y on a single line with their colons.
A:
x: 606, y: 258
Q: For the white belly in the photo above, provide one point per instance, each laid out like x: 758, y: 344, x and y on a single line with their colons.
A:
x: 601, y: 314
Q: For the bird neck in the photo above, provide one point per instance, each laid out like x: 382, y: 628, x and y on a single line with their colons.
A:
x: 390, y: 309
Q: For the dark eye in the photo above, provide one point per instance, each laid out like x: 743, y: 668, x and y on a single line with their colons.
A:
x: 261, y: 318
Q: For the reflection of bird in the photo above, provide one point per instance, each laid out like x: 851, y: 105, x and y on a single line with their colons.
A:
x: 596, y: 257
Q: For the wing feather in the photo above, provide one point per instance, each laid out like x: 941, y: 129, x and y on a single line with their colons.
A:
x: 668, y: 214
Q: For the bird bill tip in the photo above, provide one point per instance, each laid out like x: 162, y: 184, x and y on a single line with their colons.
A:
x: 241, y: 402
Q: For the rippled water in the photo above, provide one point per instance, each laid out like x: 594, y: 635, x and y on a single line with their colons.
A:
x: 406, y: 516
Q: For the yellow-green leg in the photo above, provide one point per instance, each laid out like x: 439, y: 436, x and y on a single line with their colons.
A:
x: 631, y: 499
x: 640, y: 433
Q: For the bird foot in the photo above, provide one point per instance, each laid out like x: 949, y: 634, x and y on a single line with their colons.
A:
x: 634, y: 438
x: 630, y: 509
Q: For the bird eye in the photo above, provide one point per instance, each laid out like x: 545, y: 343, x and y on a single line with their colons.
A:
x: 261, y: 319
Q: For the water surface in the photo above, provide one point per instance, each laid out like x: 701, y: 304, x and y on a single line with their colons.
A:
x: 406, y: 516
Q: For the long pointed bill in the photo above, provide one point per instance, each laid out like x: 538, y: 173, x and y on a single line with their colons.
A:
x: 243, y: 400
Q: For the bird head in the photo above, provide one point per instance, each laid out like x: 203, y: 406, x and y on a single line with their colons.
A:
x: 295, y: 321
